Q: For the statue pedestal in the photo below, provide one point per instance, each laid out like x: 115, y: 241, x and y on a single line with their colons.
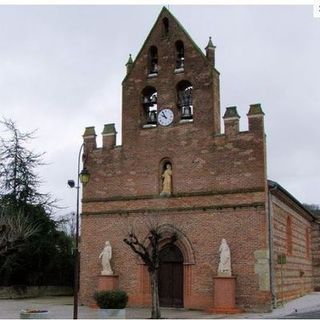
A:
x: 110, y: 282
x: 225, y: 295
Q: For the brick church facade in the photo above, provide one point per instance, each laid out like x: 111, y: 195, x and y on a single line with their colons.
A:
x: 218, y: 187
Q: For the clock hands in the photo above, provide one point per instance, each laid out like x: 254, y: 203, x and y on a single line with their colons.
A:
x: 165, y: 117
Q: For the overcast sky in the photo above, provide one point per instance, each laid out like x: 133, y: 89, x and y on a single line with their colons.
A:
x: 61, y: 69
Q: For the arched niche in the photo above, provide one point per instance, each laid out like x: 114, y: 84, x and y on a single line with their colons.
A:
x: 166, y: 177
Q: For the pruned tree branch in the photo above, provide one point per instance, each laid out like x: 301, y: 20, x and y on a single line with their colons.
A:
x: 148, y: 250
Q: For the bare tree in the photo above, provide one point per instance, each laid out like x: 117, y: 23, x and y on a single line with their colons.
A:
x: 67, y: 223
x: 148, y: 250
x: 15, y: 228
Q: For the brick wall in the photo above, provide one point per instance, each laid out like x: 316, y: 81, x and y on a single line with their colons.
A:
x: 218, y: 192
x: 204, y: 230
x: 200, y: 163
x: 219, y: 189
x: 218, y: 182
x: 315, y: 236
x: 295, y: 278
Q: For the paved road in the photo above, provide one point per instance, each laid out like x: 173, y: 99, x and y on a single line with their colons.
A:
x: 62, y: 308
x: 308, y: 307
x: 305, y: 315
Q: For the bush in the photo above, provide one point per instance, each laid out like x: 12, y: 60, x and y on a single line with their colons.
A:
x: 111, y: 299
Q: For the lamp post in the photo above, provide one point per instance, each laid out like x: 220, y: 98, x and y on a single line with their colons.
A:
x: 82, y: 177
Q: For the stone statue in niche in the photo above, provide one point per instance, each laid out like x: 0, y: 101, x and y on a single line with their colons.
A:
x: 167, y: 181
x: 105, y: 257
x: 224, y: 268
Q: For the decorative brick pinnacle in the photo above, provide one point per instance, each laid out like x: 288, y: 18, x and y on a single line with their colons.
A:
x: 210, y: 45
x: 231, y: 112
x: 255, y: 109
x: 89, y: 131
x: 130, y: 62
x: 109, y: 129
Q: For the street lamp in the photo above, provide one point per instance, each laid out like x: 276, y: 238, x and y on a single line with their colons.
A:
x: 83, y: 177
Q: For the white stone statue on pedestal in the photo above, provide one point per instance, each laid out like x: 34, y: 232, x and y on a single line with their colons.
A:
x: 224, y: 268
x: 105, y: 257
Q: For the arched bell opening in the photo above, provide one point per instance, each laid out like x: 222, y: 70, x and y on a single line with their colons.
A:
x: 153, y: 60
x: 179, y: 54
x: 165, y: 27
x: 184, y: 97
x: 149, y: 105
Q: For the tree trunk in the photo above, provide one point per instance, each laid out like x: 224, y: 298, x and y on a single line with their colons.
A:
x: 155, y: 311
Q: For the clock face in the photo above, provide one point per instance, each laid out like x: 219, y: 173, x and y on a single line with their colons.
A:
x: 165, y: 117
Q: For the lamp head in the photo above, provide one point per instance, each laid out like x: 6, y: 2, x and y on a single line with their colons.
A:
x: 84, y: 176
x: 71, y: 183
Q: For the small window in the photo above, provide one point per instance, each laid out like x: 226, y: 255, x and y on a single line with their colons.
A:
x: 289, y: 236
x: 179, y: 55
x: 165, y: 24
x: 153, y: 60
x: 184, y: 95
x: 307, y: 243
x: 149, y: 104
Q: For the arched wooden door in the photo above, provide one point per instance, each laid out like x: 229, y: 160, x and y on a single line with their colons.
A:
x: 171, y: 277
